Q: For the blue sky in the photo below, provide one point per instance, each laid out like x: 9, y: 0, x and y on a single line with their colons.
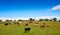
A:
x: 29, y: 8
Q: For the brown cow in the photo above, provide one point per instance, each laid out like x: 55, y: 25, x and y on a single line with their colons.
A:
x: 43, y: 25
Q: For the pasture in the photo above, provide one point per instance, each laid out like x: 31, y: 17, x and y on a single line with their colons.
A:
x: 14, y: 29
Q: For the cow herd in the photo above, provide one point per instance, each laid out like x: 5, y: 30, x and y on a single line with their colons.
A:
x: 27, y: 29
x: 41, y: 27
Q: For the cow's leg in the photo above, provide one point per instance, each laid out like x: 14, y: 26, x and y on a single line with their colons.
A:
x: 25, y: 31
x: 28, y: 29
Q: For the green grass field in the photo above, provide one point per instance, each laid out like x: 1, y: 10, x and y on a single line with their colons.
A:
x: 53, y: 29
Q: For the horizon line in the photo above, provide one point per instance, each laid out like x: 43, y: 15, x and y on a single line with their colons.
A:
x: 36, y: 18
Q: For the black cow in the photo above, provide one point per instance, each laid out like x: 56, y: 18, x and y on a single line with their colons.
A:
x: 18, y: 23
x: 27, y: 29
x: 26, y: 25
x: 6, y: 24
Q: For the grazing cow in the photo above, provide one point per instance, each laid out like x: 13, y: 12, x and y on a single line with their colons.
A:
x: 43, y: 25
x: 26, y: 25
x: 6, y: 24
x: 18, y: 23
x: 27, y: 29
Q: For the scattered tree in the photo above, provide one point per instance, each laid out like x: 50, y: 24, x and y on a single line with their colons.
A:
x: 50, y: 19
x: 54, y: 19
x: 46, y: 19
x: 19, y: 20
x: 41, y: 19
x: 31, y: 19
x: 0, y: 20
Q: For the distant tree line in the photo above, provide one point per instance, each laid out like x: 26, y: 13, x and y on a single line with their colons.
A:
x: 54, y: 19
x: 31, y: 19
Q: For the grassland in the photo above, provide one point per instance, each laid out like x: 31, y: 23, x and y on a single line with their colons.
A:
x: 14, y: 29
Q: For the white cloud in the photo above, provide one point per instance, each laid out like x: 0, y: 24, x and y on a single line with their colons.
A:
x: 57, y: 7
